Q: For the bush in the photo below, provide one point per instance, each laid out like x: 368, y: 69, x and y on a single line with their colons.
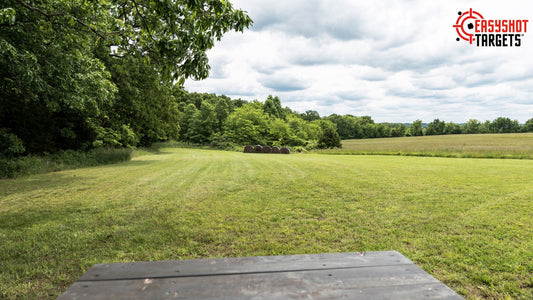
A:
x: 220, y: 141
x: 329, y: 138
x: 10, y: 145
x: 298, y: 149
x: 63, y: 160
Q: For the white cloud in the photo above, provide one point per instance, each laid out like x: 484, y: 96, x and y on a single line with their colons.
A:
x: 396, y: 61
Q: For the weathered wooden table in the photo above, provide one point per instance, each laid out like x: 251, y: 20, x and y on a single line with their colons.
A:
x: 367, y: 275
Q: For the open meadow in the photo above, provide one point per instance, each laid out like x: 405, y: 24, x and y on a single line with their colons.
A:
x: 510, y: 145
x: 468, y: 222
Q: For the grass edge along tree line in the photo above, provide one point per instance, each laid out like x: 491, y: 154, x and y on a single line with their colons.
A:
x: 83, y: 83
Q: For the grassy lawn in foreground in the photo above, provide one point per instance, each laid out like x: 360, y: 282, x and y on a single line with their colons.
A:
x: 468, y: 222
x: 508, y: 145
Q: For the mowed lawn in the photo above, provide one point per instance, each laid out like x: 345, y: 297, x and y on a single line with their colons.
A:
x: 509, y: 145
x: 468, y: 222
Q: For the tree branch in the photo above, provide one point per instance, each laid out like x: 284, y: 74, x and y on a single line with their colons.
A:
x: 36, y: 9
x: 50, y: 16
x: 143, y: 19
x: 90, y: 28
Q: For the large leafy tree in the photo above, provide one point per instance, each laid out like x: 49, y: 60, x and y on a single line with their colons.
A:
x: 436, y: 127
x: 472, y: 126
x: 504, y: 125
x: 528, y: 126
x: 415, y: 129
x: 55, y: 89
x: 329, y: 138
x: 247, y: 125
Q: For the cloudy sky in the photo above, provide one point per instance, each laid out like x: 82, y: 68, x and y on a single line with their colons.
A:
x: 396, y: 61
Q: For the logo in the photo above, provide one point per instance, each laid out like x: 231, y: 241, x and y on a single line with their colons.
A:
x: 472, y: 27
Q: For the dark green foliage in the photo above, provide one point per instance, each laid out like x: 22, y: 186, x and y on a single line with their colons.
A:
x: 528, y: 126
x: 272, y: 107
x: 10, y: 145
x: 203, y: 125
x: 62, y: 160
x: 144, y: 105
x: 504, y: 125
x: 398, y: 130
x: 436, y: 127
x: 310, y: 115
x: 415, y: 129
x: 246, y: 125
x: 452, y: 128
x: 472, y: 126
x: 219, y: 141
x: 329, y: 138
x: 352, y: 127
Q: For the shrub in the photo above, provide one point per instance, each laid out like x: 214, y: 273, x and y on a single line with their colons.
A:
x: 298, y: 149
x: 63, y: 160
x: 10, y: 145
x: 329, y: 138
x: 221, y: 141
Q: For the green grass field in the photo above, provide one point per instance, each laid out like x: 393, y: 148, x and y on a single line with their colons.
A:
x: 512, y: 145
x: 468, y: 222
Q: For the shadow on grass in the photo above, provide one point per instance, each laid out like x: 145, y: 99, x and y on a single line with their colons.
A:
x: 59, y: 180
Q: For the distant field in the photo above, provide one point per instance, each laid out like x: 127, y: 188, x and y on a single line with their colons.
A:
x: 465, y: 221
x: 512, y: 145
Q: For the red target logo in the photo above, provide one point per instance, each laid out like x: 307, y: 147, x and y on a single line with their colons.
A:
x: 465, y: 25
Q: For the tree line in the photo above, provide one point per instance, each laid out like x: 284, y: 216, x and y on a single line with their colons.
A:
x: 221, y: 122
x: 352, y: 127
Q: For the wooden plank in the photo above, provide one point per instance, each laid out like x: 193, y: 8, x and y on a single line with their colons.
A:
x: 370, y: 275
x: 385, y: 282
x: 240, y: 265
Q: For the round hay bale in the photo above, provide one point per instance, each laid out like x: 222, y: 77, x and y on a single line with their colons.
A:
x: 258, y: 149
x: 248, y: 149
x: 267, y: 149
x: 275, y: 149
x: 285, y: 150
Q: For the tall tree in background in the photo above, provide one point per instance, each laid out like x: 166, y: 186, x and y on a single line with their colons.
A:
x: 436, y: 127
x: 528, y: 126
x: 415, y: 129
x: 55, y: 90
x: 329, y: 138
x: 472, y: 126
x: 272, y: 106
x: 247, y: 125
x: 504, y: 125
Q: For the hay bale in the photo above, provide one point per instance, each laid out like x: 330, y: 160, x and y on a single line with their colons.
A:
x: 285, y: 150
x: 267, y: 149
x: 258, y: 149
x: 275, y: 149
x: 248, y: 149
